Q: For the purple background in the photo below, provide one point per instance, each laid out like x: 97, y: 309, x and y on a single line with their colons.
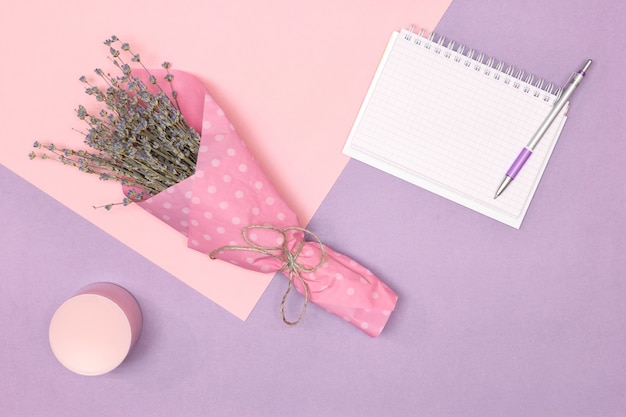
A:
x: 491, y: 321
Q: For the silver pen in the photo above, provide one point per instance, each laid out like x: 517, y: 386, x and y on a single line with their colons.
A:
x: 556, y: 109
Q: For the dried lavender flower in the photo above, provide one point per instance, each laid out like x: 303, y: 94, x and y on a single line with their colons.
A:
x: 139, y: 138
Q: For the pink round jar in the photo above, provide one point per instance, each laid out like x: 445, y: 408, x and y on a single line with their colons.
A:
x: 93, y: 332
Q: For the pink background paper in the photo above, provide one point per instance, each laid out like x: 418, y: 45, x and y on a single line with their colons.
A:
x: 290, y: 75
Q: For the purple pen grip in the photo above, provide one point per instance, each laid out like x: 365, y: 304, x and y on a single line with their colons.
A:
x: 519, y: 163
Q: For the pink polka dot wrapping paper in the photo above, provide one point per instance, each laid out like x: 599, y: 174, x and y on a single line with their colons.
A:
x: 230, y: 203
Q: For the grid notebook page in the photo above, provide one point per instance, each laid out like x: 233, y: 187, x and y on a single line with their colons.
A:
x: 453, y: 125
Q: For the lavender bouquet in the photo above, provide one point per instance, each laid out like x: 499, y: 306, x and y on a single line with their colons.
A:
x: 209, y: 187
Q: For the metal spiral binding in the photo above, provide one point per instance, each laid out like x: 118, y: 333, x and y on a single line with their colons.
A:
x: 487, y: 65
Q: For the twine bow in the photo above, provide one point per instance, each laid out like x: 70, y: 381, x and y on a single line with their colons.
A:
x: 282, y: 253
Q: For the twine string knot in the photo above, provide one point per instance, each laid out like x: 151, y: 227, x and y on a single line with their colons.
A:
x: 285, y: 255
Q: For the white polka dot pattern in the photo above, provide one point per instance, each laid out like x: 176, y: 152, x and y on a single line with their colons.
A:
x: 229, y: 191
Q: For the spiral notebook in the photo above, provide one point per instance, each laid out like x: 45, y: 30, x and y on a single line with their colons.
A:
x: 452, y: 121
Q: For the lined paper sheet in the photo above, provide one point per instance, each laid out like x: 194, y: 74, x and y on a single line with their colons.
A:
x: 453, y: 125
